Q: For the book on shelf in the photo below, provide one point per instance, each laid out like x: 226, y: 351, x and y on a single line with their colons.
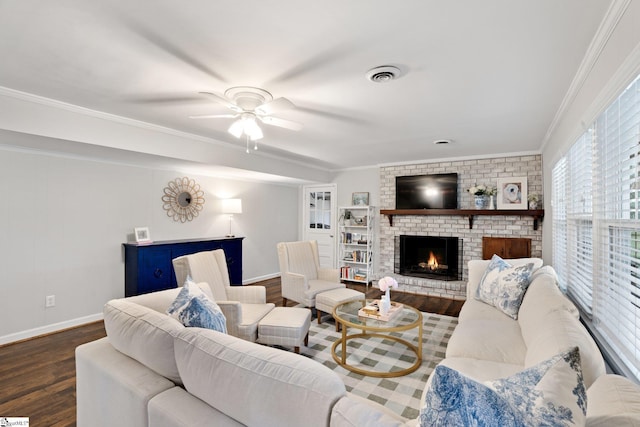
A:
x: 356, y: 256
x: 350, y: 273
x: 346, y: 237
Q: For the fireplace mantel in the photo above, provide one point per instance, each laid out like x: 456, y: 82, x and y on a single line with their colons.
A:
x: 537, y: 214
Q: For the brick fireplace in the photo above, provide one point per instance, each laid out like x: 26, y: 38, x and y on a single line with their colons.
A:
x: 470, y: 172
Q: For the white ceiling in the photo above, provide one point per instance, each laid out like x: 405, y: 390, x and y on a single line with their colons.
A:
x: 489, y: 75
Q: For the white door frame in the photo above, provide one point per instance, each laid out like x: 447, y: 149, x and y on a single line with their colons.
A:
x: 326, y: 237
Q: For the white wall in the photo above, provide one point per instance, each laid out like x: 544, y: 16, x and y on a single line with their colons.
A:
x: 63, y: 221
x: 615, y: 67
x: 357, y: 181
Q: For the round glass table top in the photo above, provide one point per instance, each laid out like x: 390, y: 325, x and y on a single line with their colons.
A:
x: 347, y: 313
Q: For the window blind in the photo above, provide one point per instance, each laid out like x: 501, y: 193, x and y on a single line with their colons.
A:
x: 559, y: 224
x: 617, y: 226
x: 596, y: 210
x: 579, y: 257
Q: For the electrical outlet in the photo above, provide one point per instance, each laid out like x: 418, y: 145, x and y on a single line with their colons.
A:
x: 50, y: 301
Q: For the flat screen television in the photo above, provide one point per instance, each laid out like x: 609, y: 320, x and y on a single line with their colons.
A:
x: 437, y: 191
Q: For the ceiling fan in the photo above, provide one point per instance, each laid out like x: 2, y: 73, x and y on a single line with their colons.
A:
x: 250, y: 104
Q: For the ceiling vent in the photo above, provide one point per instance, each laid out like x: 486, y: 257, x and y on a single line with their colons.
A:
x: 383, y: 74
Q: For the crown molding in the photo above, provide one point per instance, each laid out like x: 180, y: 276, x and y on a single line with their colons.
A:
x: 601, y: 38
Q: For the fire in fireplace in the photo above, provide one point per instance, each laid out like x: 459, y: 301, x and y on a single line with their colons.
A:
x: 428, y: 256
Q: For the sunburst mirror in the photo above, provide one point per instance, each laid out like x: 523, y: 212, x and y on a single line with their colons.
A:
x: 182, y: 199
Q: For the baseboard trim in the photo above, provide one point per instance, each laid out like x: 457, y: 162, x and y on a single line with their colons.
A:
x: 48, y: 329
x: 260, y: 278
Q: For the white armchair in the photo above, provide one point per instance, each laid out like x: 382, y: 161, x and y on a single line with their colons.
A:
x: 243, y: 306
x: 301, y: 275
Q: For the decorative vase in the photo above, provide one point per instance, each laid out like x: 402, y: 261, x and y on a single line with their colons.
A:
x: 482, y: 201
x: 493, y: 202
x: 533, y: 205
x: 385, y: 303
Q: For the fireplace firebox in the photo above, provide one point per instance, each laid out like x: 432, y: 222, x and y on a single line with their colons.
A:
x: 432, y: 257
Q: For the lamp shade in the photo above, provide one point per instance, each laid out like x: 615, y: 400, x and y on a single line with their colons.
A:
x: 231, y: 206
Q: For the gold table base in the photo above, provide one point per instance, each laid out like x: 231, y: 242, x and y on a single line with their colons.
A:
x: 342, y: 359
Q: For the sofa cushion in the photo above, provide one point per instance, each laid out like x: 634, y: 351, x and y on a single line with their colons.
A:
x: 356, y: 411
x: 543, y: 296
x: 559, y: 330
x: 481, y: 370
x: 474, y: 309
x: 500, y: 341
x: 613, y: 401
x: 550, y: 393
x: 503, y: 285
x: 144, y: 335
x: 112, y: 389
x: 177, y: 408
x: 282, y: 388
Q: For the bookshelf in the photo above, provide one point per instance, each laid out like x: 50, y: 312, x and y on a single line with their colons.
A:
x: 355, y: 243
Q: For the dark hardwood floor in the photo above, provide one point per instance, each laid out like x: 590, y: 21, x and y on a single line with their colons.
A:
x: 37, y: 376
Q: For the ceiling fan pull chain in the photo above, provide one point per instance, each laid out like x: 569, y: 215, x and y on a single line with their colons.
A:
x: 247, y: 137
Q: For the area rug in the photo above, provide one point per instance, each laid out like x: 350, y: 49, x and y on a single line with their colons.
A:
x: 401, y: 394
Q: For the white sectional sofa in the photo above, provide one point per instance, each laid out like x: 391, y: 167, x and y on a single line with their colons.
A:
x: 152, y: 371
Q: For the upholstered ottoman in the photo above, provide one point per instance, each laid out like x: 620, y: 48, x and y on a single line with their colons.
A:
x: 326, y: 301
x: 285, y: 326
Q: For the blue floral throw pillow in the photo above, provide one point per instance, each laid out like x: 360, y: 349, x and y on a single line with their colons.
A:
x: 201, y: 312
x: 503, y: 286
x: 189, y: 290
x: 551, y: 393
x: 193, y: 308
x: 496, y: 265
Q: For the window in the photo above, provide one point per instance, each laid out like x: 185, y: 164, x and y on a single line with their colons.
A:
x: 596, y: 226
x: 572, y: 204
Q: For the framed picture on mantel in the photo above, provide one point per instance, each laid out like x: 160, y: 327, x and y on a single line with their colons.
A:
x: 511, y: 193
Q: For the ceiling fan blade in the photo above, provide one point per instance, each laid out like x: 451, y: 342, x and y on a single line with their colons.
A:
x: 275, y: 106
x: 222, y: 100
x: 287, y: 124
x: 215, y: 116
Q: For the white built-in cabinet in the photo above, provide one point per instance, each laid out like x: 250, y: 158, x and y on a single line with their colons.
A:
x: 357, y: 225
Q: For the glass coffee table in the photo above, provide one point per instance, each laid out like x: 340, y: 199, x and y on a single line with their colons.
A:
x: 346, y: 315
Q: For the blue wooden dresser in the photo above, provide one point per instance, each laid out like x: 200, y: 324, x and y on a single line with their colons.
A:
x: 148, y: 267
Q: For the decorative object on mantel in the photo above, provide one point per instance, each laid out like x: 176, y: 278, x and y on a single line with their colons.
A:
x: 482, y: 194
x: 534, y: 201
x: 230, y: 207
x: 142, y: 235
x: 360, y: 199
x: 182, y: 199
x: 385, y: 284
x: 512, y: 193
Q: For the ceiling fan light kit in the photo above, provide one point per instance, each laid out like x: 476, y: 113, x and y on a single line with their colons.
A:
x: 250, y: 105
x: 246, y: 125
